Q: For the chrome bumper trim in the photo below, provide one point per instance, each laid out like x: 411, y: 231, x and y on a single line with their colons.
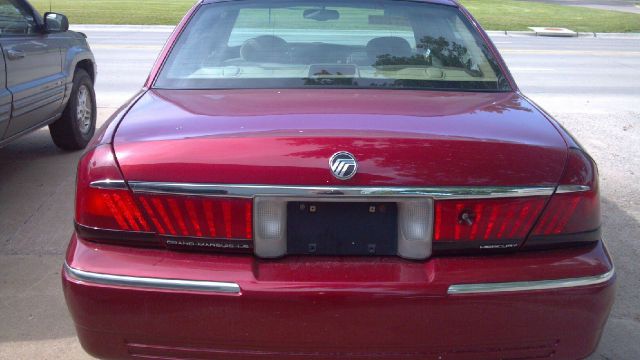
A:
x: 155, y: 283
x: 529, y: 285
x: 233, y: 288
x: 248, y: 191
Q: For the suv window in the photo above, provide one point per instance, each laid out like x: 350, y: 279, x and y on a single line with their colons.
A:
x: 15, y: 20
x: 339, y: 43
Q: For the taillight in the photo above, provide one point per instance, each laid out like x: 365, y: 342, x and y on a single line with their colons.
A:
x: 191, y: 216
x: 484, y: 223
x: 107, y: 210
x: 103, y: 200
x: 573, y: 214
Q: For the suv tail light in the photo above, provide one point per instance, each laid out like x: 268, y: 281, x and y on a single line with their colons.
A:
x: 106, y: 209
x: 573, y: 214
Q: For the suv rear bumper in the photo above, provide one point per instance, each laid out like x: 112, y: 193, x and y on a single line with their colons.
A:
x: 168, y: 304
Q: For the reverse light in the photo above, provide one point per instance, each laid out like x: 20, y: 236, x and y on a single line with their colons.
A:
x: 271, y: 227
x: 415, y: 228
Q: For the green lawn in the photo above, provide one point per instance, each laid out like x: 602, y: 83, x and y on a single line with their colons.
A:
x: 129, y: 12
x: 518, y: 15
x: 492, y: 14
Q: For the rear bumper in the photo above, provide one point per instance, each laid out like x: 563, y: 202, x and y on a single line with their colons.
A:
x: 160, y: 303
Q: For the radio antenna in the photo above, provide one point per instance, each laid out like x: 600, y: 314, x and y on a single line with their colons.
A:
x: 50, y: 1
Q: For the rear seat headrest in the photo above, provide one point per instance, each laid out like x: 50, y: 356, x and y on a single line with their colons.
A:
x: 264, y: 48
x: 388, y: 45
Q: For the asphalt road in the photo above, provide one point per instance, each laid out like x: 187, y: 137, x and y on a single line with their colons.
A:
x: 592, y: 86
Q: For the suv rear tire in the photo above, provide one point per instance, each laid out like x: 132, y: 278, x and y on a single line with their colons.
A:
x: 76, y: 127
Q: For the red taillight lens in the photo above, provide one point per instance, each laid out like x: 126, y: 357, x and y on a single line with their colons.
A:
x: 569, y: 214
x: 573, y: 214
x: 484, y: 221
x: 199, y: 217
x: 106, y: 209
x: 110, y: 207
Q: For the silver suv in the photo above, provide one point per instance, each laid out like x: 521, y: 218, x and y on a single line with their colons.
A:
x: 46, y: 77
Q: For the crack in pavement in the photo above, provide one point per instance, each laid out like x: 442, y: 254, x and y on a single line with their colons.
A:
x: 57, y: 190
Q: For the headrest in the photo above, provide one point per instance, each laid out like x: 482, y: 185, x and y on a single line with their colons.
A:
x: 388, y: 45
x: 264, y: 48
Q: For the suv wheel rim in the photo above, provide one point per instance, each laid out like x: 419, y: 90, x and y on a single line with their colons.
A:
x: 84, y: 109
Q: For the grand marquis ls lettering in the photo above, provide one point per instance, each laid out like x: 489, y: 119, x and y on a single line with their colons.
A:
x: 454, y: 220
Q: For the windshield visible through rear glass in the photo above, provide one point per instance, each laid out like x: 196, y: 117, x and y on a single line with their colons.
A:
x: 350, y: 44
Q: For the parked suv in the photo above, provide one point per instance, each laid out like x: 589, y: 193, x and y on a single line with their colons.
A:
x: 47, y: 77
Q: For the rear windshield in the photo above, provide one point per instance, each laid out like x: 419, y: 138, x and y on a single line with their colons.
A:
x: 343, y: 44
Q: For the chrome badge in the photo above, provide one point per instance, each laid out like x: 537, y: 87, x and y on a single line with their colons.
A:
x: 343, y: 165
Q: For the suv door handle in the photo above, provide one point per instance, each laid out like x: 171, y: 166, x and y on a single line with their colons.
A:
x: 15, y: 54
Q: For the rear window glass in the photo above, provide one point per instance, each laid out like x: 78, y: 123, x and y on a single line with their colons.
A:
x: 352, y: 44
x: 253, y: 22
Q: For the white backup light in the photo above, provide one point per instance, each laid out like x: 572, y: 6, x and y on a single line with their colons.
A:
x: 415, y: 223
x: 270, y: 221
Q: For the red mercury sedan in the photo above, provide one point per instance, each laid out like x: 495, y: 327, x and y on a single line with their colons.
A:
x: 343, y: 179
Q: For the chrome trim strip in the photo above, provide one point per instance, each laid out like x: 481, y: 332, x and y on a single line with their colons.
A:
x: 248, y: 191
x: 529, y: 285
x: 155, y: 283
x: 563, y: 189
x: 109, y: 184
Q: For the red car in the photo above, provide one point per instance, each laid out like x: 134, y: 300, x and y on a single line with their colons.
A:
x: 305, y: 179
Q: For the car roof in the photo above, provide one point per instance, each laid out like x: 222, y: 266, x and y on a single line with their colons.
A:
x: 441, y: 2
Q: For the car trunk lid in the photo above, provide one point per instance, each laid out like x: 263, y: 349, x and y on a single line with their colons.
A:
x: 286, y: 137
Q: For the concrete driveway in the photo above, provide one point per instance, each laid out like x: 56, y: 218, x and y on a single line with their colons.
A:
x: 590, y: 85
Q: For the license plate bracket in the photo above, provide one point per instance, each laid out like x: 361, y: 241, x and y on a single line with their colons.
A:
x: 342, y: 228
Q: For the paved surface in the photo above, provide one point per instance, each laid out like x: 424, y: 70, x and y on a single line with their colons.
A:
x: 589, y: 84
x: 631, y: 6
